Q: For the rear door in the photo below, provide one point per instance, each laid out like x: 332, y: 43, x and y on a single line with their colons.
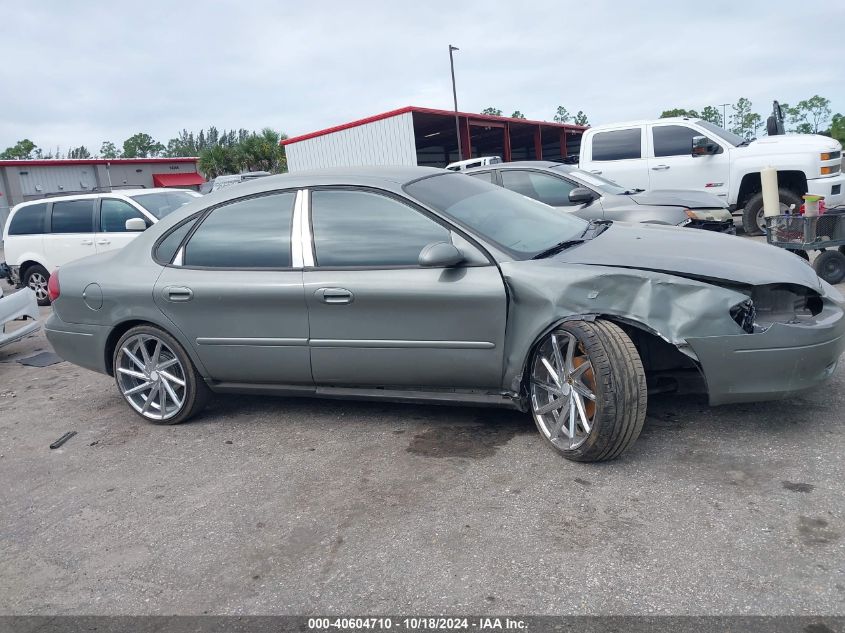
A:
x: 24, y: 239
x: 111, y: 233
x: 379, y: 319
x: 672, y: 165
x: 619, y: 155
x: 235, y: 291
x: 70, y: 233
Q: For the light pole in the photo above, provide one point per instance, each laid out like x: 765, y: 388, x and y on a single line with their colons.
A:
x: 455, y: 96
x: 725, y: 115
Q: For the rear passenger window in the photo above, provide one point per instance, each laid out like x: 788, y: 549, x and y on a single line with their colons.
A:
x: 169, y: 245
x: 250, y: 233
x: 29, y: 220
x: 72, y: 216
x: 617, y: 144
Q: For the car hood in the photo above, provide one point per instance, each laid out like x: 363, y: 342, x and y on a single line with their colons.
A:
x: 677, y: 198
x: 790, y: 143
x: 702, y: 255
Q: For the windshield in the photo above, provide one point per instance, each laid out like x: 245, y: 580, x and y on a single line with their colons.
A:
x: 602, y: 184
x: 163, y: 203
x: 519, y: 225
x: 730, y: 137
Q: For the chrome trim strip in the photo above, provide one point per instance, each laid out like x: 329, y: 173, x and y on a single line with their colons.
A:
x: 305, y: 231
x: 46, y: 329
x: 401, y: 344
x: 296, y: 232
x: 255, y: 342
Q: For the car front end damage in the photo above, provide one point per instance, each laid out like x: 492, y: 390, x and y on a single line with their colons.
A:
x: 736, y: 342
x: 20, y: 305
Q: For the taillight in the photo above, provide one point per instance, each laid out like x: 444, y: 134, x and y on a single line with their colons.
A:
x: 53, y: 289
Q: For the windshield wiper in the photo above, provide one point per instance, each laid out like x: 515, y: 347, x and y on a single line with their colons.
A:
x: 557, y: 248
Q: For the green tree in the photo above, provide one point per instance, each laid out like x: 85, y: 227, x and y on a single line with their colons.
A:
x: 581, y: 118
x: 492, y: 111
x: 262, y: 152
x: 712, y: 114
x: 141, y: 145
x: 109, y: 150
x: 21, y: 150
x: 837, y: 127
x: 811, y: 115
x: 217, y: 160
x: 678, y: 112
x: 79, y: 152
x: 183, y: 145
x: 744, y: 121
x: 562, y: 115
x: 517, y: 115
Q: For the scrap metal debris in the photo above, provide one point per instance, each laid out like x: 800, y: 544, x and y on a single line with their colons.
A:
x: 44, y: 359
x: 64, y: 438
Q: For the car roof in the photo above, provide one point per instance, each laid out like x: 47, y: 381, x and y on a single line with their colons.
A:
x: 673, y: 119
x: 99, y: 194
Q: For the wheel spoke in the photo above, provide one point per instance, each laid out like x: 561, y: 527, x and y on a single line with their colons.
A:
x: 572, y: 420
x: 558, y: 358
x: 171, y: 378
x: 551, y: 406
x: 585, y: 423
x: 570, y: 353
x: 142, y: 344
x: 579, y: 371
x: 139, y: 388
x: 167, y: 363
x: 132, y: 357
x: 171, y: 393
x: 552, y: 372
x: 558, y: 427
x: 149, y: 400
x: 130, y: 372
x: 162, y: 400
x: 547, y: 386
x: 583, y: 390
x: 156, y: 354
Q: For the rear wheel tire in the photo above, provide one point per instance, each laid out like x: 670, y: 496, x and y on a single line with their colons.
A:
x: 587, y: 390
x: 830, y: 266
x: 156, y: 376
x: 753, y: 219
x: 35, y: 278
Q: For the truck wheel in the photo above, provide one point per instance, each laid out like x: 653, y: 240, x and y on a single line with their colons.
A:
x: 830, y: 266
x: 753, y: 220
x: 587, y: 390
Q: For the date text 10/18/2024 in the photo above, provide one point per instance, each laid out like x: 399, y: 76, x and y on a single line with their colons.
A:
x: 417, y: 624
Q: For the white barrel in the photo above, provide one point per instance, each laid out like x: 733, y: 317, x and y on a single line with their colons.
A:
x: 771, y: 200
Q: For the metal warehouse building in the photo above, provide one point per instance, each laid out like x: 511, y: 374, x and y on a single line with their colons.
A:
x: 22, y: 180
x: 423, y: 136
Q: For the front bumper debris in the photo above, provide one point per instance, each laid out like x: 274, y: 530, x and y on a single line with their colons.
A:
x: 19, y: 305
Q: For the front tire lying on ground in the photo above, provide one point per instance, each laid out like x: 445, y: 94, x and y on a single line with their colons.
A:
x: 587, y: 390
x: 156, y: 377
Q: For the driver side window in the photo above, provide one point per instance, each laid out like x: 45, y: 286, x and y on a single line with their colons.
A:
x: 360, y: 228
x: 552, y: 190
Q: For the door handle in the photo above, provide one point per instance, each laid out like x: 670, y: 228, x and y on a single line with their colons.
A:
x: 660, y: 168
x: 597, y: 172
x: 178, y: 293
x: 103, y: 242
x: 334, y: 295
x: 87, y: 242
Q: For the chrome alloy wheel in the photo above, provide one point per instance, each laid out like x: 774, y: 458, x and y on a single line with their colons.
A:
x: 150, y: 377
x: 563, y: 397
x: 761, y: 216
x: 38, y: 284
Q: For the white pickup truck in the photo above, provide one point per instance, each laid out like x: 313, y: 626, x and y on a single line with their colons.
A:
x: 688, y: 153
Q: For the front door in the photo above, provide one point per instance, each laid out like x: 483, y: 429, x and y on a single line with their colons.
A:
x: 111, y: 233
x: 234, y: 293
x: 672, y: 165
x: 379, y: 319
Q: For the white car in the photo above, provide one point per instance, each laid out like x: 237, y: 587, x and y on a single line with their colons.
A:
x: 42, y: 235
x: 688, y: 153
x: 469, y: 163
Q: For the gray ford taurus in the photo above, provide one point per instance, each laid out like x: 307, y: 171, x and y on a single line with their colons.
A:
x: 417, y: 284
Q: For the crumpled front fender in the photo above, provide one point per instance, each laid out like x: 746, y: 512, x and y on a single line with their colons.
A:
x: 545, y: 292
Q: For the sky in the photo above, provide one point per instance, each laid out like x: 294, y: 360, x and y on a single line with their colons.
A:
x: 80, y: 73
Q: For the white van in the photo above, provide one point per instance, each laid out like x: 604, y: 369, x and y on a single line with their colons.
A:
x: 42, y: 235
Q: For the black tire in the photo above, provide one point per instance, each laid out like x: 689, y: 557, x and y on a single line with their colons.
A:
x: 196, y: 391
x: 616, y: 378
x: 830, y: 266
x: 802, y: 254
x: 753, y: 211
x: 36, y: 278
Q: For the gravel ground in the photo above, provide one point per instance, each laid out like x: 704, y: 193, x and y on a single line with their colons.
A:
x: 270, y: 505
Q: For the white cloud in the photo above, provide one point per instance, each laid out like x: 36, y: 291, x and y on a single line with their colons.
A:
x: 82, y: 73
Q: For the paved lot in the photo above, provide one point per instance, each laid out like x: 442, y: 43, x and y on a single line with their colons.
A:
x: 269, y: 505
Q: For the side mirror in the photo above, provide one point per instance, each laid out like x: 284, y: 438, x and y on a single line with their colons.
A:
x: 440, y: 255
x: 135, y: 224
x: 703, y: 146
x: 581, y: 195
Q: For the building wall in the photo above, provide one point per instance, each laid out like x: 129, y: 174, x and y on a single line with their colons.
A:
x: 384, y: 142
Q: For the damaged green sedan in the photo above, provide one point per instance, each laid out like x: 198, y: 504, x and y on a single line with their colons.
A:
x: 419, y: 285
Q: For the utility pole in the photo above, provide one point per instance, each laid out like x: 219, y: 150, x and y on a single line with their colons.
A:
x: 725, y: 115
x: 455, y: 96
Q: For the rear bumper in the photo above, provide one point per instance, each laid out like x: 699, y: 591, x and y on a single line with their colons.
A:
x: 82, y: 345
x: 785, y: 360
x: 21, y: 304
x: 831, y: 187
